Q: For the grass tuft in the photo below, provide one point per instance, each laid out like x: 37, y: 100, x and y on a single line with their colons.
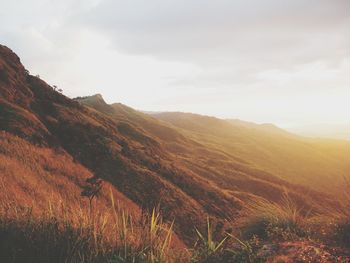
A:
x: 265, y: 218
x: 206, y: 248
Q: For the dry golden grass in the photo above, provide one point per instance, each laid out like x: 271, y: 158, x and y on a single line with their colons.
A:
x: 202, y: 167
x: 262, y: 217
x: 333, y: 223
x: 60, y: 235
x: 32, y: 175
x: 41, y: 204
x: 43, y: 217
x: 320, y: 164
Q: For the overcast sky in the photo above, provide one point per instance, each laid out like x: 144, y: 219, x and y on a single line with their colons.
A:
x: 278, y: 61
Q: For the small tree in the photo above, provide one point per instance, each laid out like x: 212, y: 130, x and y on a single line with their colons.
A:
x: 91, y: 190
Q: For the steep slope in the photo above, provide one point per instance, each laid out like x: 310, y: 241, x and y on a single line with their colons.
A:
x: 132, y: 162
x: 232, y: 175
x: 147, y: 162
x: 320, y: 164
x: 39, y: 176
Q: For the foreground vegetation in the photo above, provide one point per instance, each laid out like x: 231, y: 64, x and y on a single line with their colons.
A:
x: 57, y: 235
x: 267, y: 231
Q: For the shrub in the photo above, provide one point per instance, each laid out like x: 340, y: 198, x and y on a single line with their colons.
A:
x: 276, y: 220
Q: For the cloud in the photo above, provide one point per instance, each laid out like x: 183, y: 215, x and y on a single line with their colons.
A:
x: 249, y: 59
x: 212, y: 32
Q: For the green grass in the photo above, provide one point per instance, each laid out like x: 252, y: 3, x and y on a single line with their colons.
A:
x: 206, y: 249
x: 225, y: 250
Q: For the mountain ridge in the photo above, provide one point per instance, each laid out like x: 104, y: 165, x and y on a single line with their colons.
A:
x: 183, y: 169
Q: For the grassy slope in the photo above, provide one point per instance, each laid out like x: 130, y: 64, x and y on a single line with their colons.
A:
x: 144, y: 161
x: 132, y: 151
x: 130, y: 161
x: 321, y: 164
x: 35, y: 176
x: 233, y: 175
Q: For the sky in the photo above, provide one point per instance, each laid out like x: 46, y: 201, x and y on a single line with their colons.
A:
x: 272, y: 61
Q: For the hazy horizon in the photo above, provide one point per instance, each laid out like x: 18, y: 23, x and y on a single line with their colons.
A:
x: 280, y: 62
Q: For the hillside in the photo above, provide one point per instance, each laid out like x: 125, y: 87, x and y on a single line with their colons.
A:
x: 233, y: 175
x: 134, y: 152
x: 191, y: 167
x: 32, y: 110
x: 320, y: 164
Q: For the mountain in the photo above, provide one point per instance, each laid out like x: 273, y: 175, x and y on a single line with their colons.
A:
x: 320, y: 164
x: 191, y: 166
x: 133, y: 162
